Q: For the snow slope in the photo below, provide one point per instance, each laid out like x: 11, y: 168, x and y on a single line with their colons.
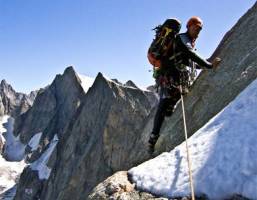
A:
x: 14, y: 150
x: 9, y: 171
x: 223, y: 154
x: 40, y: 165
x: 34, y: 141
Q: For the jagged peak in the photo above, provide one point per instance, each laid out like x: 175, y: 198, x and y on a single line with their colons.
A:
x: 3, y: 82
x: 130, y: 84
x: 69, y: 74
x: 6, y: 86
x: 111, y: 82
x: 69, y: 70
x: 100, y: 77
x: 116, y: 81
x: 103, y: 81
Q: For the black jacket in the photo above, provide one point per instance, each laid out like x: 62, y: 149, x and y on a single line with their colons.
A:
x: 182, y: 52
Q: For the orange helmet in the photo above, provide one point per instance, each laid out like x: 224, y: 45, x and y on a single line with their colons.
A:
x: 195, y: 21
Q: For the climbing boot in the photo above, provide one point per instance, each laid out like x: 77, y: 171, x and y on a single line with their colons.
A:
x: 152, y: 141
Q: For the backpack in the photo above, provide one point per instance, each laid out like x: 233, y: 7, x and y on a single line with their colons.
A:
x: 164, y: 37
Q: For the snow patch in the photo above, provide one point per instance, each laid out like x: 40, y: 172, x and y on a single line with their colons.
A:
x: 14, y: 150
x: 86, y: 82
x: 223, y: 155
x: 40, y: 165
x: 9, y: 171
x: 34, y: 141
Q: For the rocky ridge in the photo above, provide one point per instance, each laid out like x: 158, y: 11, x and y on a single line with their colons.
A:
x: 101, y: 129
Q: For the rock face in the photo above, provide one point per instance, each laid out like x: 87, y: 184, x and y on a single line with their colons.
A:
x: 96, y: 140
x: 13, y: 103
x: 53, y: 108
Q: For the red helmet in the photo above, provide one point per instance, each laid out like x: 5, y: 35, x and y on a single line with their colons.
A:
x: 195, y: 21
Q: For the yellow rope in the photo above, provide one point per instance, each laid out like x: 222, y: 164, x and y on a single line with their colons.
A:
x: 188, y: 156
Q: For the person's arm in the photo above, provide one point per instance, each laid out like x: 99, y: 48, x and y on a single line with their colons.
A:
x: 191, y: 54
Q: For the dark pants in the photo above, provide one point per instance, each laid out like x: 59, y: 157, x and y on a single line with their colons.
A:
x: 168, y: 99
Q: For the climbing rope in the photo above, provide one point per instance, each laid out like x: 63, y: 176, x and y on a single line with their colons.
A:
x: 188, y: 156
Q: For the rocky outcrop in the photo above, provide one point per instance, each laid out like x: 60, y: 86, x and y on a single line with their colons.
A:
x: 14, y: 103
x: 119, y: 187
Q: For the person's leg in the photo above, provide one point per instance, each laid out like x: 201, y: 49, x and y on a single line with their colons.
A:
x: 165, y: 108
x: 158, y: 120
x: 172, y: 101
x: 159, y: 116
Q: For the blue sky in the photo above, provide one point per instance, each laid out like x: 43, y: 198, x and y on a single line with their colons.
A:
x: 40, y: 38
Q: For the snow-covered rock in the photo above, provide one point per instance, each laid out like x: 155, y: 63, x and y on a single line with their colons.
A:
x: 14, y: 149
x: 40, y: 165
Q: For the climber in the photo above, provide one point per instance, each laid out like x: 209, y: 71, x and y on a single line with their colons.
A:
x: 179, y: 64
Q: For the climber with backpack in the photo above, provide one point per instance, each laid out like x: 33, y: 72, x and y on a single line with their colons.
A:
x: 174, y: 61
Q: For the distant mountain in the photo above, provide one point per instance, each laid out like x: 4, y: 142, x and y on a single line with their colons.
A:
x: 80, y: 125
x: 53, y: 108
x: 14, y: 103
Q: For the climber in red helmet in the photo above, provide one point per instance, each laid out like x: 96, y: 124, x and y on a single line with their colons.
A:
x: 179, y: 59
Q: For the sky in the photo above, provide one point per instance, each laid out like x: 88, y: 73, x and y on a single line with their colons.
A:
x: 40, y: 38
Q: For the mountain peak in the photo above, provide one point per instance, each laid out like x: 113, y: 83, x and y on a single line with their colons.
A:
x: 6, y: 87
x: 130, y: 84
x: 4, y: 83
x: 69, y: 70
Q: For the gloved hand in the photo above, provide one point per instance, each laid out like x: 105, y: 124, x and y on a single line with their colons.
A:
x: 216, y: 62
